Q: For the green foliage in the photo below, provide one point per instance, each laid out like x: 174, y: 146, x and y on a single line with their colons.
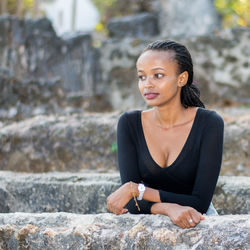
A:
x: 234, y: 12
x: 113, y: 147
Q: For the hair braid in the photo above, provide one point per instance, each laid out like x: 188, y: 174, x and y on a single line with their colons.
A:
x: 190, y: 94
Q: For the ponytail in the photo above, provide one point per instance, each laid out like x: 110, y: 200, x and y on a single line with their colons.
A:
x: 190, y: 96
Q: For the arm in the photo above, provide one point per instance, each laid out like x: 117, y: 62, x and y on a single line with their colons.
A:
x: 127, y: 162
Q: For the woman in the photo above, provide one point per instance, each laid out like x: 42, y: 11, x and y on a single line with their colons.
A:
x: 169, y: 156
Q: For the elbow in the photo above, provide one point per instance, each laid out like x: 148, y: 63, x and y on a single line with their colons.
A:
x: 201, y: 206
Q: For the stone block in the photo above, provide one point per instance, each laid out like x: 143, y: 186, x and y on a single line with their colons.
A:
x: 186, y: 18
x: 75, y: 142
x: 136, y: 26
x: 31, y: 48
x: 86, y: 192
x: 108, y: 231
x: 21, y: 99
x: 64, y: 143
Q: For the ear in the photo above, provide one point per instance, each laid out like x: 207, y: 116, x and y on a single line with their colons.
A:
x: 182, y: 79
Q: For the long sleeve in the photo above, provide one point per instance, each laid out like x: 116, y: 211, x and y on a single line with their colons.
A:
x: 209, y: 164
x: 127, y: 162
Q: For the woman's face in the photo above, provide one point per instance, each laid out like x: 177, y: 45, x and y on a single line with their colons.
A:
x: 159, y: 81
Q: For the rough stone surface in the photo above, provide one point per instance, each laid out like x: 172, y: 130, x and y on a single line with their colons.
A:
x: 75, y: 142
x: 86, y: 192
x: 108, y: 231
x: 236, y: 154
x: 200, y: 19
x: 137, y: 26
x: 232, y: 195
x: 221, y: 64
x: 20, y: 99
x: 49, y: 143
x: 30, y: 48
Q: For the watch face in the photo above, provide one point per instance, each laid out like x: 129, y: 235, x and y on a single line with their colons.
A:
x: 141, y: 187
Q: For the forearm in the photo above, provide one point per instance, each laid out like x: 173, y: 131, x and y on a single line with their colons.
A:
x: 159, y: 208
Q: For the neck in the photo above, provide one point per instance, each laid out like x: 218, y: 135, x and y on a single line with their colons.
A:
x: 167, y: 117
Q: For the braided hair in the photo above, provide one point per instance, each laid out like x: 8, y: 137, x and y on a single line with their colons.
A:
x: 190, y: 94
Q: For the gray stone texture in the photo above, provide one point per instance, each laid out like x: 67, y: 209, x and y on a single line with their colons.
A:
x: 109, y: 231
x: 86, y: 192
x: 185, y: 18
x: 30, y: 48
x: 49, y: 143
x: 21, y: 99
x: 142, y: 25
x: 221, y: 65
x: 86, y: 141
x: 232, y: 195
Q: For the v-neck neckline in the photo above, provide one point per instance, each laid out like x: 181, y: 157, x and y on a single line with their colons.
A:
x: 183, y: 148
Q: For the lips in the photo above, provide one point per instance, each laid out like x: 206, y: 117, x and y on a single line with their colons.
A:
x: 150, y: 96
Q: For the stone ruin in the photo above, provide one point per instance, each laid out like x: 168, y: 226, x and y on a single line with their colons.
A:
x: 60, y: 100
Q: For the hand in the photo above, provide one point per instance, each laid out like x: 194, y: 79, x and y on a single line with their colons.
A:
x: 117, y: 200
x: 183, y: 216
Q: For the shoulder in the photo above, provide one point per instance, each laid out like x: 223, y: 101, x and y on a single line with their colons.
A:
x: 211, y: 118
x: 129, y: 116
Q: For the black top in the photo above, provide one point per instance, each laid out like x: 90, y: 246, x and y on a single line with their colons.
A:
x: 191, y: 179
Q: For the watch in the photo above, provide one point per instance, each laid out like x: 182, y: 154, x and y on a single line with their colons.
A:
x: 141, y: 189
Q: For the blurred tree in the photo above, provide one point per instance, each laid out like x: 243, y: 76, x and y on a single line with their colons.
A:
x: 3, y: 6
x: 19, y: 7
x: 234, y: 12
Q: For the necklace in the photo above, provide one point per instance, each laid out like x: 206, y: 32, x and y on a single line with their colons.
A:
x: 175, y: 125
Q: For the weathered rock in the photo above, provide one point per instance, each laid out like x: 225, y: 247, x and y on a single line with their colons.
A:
x: 75, y: 142
x: 20, y: 99
x: 200, y: 19
x: 108, y: 231
x: 221, y: 65
x: 236, y: 155
x: 31, y: 48
x: 49, y: 143
x: 86, y: 192
x: 137, y: 26
x: 232, y: 195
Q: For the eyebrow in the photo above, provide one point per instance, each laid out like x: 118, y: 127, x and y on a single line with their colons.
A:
x: 157, y: 68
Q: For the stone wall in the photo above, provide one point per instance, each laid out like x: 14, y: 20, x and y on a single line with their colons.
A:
x: 108, y: 231
x: 30, y: 48
x: 86, y: 192
x: 74, y: 142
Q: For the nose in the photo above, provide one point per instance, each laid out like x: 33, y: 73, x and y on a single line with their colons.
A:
x: 148, y: 82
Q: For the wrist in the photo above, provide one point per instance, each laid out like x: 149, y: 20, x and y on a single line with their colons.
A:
x: 132, y: 189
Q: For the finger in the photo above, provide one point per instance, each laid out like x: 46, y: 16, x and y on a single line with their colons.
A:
x: 195, y: 216
x: 191, y: 222
x: 124, y: 210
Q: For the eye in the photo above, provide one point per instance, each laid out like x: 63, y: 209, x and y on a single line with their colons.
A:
x: 142, y: 77
x: 158, y: 75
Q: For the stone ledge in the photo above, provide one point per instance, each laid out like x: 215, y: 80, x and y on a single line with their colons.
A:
x: 75, y: 142
x: 87, y: 192
x: 108, y: 231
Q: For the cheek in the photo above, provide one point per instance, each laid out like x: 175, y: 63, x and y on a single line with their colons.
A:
x: 140, y: 86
